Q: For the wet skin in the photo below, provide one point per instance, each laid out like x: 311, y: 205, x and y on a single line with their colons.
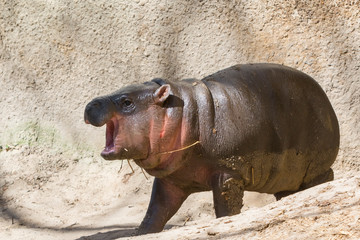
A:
x: 256, y: 127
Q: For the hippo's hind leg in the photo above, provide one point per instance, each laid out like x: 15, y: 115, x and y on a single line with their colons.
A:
x: 322, y: 178
x: 280, y: 195
x: 228, y: 195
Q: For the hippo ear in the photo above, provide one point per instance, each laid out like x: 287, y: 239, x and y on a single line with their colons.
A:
x: 162, y: 93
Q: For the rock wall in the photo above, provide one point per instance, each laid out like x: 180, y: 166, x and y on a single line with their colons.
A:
x: 57, y: 55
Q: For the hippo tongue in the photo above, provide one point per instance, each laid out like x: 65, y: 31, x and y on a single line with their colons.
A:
x: 111, y: 132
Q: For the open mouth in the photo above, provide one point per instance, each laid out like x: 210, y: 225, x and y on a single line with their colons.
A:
x: 112, y: 129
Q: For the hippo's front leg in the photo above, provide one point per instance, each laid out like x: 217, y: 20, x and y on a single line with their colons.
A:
x: 166, y: 199
x: 228, y: 194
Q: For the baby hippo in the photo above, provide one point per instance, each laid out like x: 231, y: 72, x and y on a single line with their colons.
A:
x: 255, y: 127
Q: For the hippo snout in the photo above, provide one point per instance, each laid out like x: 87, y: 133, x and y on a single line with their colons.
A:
x: 98, y: 112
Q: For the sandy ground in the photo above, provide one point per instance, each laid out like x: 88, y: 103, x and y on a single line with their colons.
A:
x: 52, y: 195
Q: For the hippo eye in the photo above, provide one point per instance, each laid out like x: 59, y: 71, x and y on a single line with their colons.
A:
x: 127, y: 103
x: 124, y: 104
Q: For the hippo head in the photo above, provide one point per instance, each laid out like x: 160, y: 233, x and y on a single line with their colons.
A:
x: 140, y: 123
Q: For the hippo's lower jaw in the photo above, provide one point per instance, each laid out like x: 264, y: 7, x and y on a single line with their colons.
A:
x: 112, y: 129
x: 109, y: 155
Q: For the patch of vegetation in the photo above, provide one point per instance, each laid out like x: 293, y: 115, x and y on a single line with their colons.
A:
x: 35, y: 134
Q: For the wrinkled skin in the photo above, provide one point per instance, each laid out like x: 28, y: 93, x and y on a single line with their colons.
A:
x: 261, y: 127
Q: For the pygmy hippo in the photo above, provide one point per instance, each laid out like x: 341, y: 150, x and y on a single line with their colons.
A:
x: 255, y: 127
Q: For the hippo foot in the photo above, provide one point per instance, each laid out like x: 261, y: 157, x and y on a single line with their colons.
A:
x: 228, y: 195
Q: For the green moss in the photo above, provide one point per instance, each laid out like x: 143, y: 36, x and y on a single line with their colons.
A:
x: 35, y: 134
